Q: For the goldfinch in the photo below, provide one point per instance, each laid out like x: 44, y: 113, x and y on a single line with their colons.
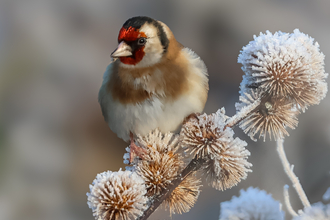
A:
x: 154, y: 82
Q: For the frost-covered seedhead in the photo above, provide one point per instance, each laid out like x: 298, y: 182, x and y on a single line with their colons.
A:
x: 162, y: 143
x: 207, y: 137
x: 155, y: 141
x: 158, y: 172
x: 317, y: 211
x: 229, y: 167
x: 252, y: 204
x: 162, y: 162
x: 204, y: 135
x: 184, y: 196
x: 117, y: 196
x: 161, y: 166
x: 270, y: 118
x: 285, y: 65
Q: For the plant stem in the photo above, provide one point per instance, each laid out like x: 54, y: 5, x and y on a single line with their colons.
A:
x: 287, y: 201
x: 194, y: 165
x: 289, y: 171
x: 243, y: 113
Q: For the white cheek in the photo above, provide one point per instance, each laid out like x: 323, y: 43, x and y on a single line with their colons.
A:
x: 153, y: 54
x: 149, y: 59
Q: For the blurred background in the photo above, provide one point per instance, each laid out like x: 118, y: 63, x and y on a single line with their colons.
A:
x: 53, y: 139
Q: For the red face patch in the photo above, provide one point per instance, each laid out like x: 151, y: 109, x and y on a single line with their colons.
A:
x: 130, y: 35
x: 133, y: 60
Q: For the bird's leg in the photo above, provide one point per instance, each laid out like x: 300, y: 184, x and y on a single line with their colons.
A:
x: 192, y: 115
x: 135, y: 150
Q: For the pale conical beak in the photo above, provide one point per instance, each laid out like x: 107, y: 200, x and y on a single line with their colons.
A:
x: 123, y: 50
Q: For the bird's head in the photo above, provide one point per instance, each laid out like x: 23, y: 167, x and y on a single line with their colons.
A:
x: 142, y: 42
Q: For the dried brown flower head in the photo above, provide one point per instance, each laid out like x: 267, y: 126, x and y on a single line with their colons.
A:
x: 161, y: 166
x: 162, y: 163
x: 204, y: 135
x: 158, y: 172
x: 155, y: 141
x: 317, y: 211
x: 117, y: 195
x: 252, y: 204
x: 184, y: 196
x: 285, y: 65
x: 226, y: 158
x: 229, y: 167
x: 272, y: 117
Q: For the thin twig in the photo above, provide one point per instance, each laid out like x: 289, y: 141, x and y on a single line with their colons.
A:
x: 289, y: 171
x: 242, y: 114
x: 287, y: 201
x: 194, y: 165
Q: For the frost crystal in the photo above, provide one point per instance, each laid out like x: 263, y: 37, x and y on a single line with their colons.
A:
x: 317, y: 211
x: 285, y: 65
x: 117, y: 195
x: 226, y: 158
x: 252, y: 204
x: 326, y: 196
x: 126, y: 155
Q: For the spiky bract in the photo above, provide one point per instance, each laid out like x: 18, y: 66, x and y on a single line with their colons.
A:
x: 117, y: 196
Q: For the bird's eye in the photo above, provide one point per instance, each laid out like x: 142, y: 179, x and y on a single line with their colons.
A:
x: 142, y: 41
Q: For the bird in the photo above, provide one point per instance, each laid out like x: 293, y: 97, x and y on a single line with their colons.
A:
x: 154, y: 82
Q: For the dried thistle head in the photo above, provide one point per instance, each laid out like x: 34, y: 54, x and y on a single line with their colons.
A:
x: 156, y: 141
x: 117, y: 195
x: 158, y: 172
x: 184, y: 196
x: 229, y: 167
x: 162, y: 163
x: 161, y: 166
x: 271, y: 118
x: 226, y: 158
x: 204, y: 135
x: 317, y: 211
x: 285, y: 65
x: 251, y: 204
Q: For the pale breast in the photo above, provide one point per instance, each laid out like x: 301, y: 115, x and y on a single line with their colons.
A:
x: 164, y: 105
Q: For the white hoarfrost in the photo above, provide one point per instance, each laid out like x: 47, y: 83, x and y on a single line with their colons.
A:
x: 285, y: 64
x: 285, y: 73
x: 205, y: 135
x: 117, y: 195
x: 326, y: 196
x: 209, y: 137
x: 317, y: 211
x: 159, y: 141
x: 252, y: 204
